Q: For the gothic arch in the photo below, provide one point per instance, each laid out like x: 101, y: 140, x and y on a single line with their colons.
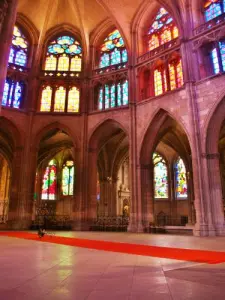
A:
x: 65, y: 28
x: 100, y: 130
x: 12, y: 131
x: 56, y: 125
x: 29, y: 27
x: 146, y: 13
x: 149, y: 139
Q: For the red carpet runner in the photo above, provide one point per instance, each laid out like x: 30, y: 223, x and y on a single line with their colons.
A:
x: 210, y: 257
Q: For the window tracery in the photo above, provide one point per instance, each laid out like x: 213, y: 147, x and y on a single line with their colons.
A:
x: 218, y: 57
x: 112, y: 95
x: 64, y: 54
x: 113, y: 51
x: 168, y: 76
x: 162, y: 30
x: 60, y: 99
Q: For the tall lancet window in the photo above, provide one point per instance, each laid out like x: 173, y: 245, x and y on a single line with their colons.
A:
x: 162, y: 30
x: 68, y: 178
x: 113, y: 51
x: 49, y: 182
x: 14, y: 88
x: 181, y: 179
x: 160, y: 177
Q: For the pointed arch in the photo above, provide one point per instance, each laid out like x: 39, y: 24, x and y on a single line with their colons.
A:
x: 100, y: 132
x: 146, y: 13
x: 156, y: 130
x: 53, y: 126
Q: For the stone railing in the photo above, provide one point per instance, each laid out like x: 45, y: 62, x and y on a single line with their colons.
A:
x: 108, y: 69
x: 216, y: 22
x: 158, y: 51
x: 60, y: 74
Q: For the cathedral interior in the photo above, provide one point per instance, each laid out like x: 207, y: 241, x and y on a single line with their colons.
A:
x: 112, y: 149
x: 112, y: 115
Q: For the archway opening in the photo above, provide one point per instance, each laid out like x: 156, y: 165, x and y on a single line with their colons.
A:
x: 167, y: 187
x: 110, y: 162
x: 55, y: 181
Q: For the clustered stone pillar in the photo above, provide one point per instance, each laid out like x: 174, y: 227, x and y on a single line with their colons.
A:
x: 8, y: 12
x: 216, y: 202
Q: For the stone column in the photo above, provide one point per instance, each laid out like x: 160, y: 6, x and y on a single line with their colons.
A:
x: 147, y: 194
x: 216, y: 198
x: 6, y: 40
x: 3, y: 11
x: 91, y: 204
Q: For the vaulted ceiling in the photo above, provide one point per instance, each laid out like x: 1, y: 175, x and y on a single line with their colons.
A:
x: 87, y: 15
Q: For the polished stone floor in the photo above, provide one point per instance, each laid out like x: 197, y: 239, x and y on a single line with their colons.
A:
x: 45, y: 271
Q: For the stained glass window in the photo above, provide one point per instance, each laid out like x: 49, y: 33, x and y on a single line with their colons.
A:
x: 60, y: 99
x: 19, y: 48
x: 160, y: 177
x: 113, y: 50
x: 181, y: 179
x: 68, y: 178
x: 64, y: 54
x: 175, y: 79
x: 73, y: 100
x: 49, y: 182
x: 162, y: 30
x: 46, y: 99
x: 113, y: 95
x: 213, y: 9
x: 218, y: 57
x: 13, y: 93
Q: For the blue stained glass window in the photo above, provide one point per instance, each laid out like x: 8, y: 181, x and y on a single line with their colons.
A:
x: 106, y: 96
x: 115, y: 57
x: 17, y: 95
x: 13, y: 93
x: 113, y: 50
x: 119, y: 95
x: 61, y: 49
x: 11, y: 55
x: 125, y: 93
x: 104, y: 60
x: 124, y: 56
x: 222, y: 53
x: 113, y: 95
x: 21, y: 58
x: 215, y: 61
x: 19, y: 49
x: 68, y: 178
x: 100, y: 99
x: 5, y: 93
x: 213, y: 9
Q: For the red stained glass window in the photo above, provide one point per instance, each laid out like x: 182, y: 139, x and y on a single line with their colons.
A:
x: 162, y: 30
x: 49, y: 182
